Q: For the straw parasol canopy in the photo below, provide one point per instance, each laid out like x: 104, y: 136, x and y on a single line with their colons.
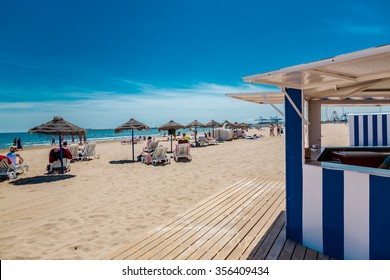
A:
x: 171, y: 125
x: 58, y: 126
x: 213, y: 124
x: 229, y: 124
x: 131, y: 125
x: 195, y: 124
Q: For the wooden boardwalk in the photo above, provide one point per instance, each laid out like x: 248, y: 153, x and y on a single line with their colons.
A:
x: 235, y: 224
x: 274, y: 245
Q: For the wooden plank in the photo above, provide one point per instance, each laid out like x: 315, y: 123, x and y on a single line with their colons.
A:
x: 266, y: 245
x: 323, y: 257
x: 188, y: 247
x: 240, y: 226
x: 191, y: 215
x: 299, y: 252
x: 263, y: 219
x: 246, y: 243
x: 311, y: 254
x: 288, y: 250
x: 278, y: 244
x: 204, y: 221
x: 207, y: 220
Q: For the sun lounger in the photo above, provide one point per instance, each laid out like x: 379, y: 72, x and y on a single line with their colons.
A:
x: 56, y: 166
x: 153, y: 145
x: 202, y: 141
x: 160, y: 155
x: 74, y: 150
x: 89, y: 151
x: 182, y: 151
x: 7, y: 169
x: 129, y: 142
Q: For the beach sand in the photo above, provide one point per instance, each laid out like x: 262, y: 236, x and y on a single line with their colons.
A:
x: 104, y: 203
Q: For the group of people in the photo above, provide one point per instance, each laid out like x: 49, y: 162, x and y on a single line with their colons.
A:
x: 279, y: 130
x: 18, y: 143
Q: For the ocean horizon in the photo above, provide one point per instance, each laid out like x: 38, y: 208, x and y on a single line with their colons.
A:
x: 93, y: 135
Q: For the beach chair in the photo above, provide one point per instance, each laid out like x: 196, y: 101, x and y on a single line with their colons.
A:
x: 89, y: 151
x: 160, y: 155
x: 182, y: 151
x: 74, y: 150
x: 152, y: 147
x: 202, y: 141
x: 7, y: 169
x: 56, y: 166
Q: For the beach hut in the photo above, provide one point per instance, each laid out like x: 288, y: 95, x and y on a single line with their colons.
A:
x: 171, y: 125
x: 58, y: 126
x: 131, y: 125
x: 338, y: 209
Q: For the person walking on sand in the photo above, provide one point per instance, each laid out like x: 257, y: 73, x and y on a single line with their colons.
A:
x: 278, y: 130
x: 271, y: 130
x: 19, y: 144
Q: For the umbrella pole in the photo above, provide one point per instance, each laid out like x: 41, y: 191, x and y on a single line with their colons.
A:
x: 61, y: 156
x: 196, y: 141
x: 171, y: 143
x: 132, y: 140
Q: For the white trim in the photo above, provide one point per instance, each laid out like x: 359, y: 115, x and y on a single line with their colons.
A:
x: 312, y: 223
x: 356, y: 215
x: 295, y: 106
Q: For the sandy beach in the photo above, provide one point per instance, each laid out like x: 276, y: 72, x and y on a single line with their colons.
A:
x: 104, y: 203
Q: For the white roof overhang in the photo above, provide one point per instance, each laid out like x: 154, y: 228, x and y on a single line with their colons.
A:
x: 356, y: 78
x: 260, y: 97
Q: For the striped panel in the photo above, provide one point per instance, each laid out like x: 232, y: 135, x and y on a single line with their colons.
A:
x: 333, y: 212
x: 356, y: 215
x: 312, y: 207
x: 346, y: 214
x: 294, y: 157
x: 369, y: 130
x: 379, y: 217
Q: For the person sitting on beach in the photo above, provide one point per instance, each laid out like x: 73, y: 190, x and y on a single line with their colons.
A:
x: 385, y: 164
x: 148, y: 142
x: 14, y: 157
x: 242, y: 134
x: 184, y: 139
x: 54, y: 154
x: 208, y: 137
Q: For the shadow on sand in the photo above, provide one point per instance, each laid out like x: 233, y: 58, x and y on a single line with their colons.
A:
x: 41, y: 179
x: 124, y: 161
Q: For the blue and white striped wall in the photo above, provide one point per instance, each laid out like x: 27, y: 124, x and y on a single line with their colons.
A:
x: 346, y: 214
x: 369, y: 129
x: 342, y: 213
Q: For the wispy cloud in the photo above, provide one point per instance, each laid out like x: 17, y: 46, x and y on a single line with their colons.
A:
x: 155, y: 106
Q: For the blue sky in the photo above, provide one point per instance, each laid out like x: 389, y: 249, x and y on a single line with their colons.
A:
x: 99, y: 63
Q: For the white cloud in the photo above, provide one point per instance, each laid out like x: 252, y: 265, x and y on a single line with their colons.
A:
x: 153, y: 106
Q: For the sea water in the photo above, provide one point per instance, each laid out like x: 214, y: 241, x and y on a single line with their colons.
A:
x: 95, y: 135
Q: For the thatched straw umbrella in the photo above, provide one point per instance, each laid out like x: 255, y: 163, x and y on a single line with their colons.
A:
x: 58, y: 126
x: 213, y: 124
x: 195, y: 124
x: 131, y: 125
x: 171, y: 125
x: 229, y: 124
